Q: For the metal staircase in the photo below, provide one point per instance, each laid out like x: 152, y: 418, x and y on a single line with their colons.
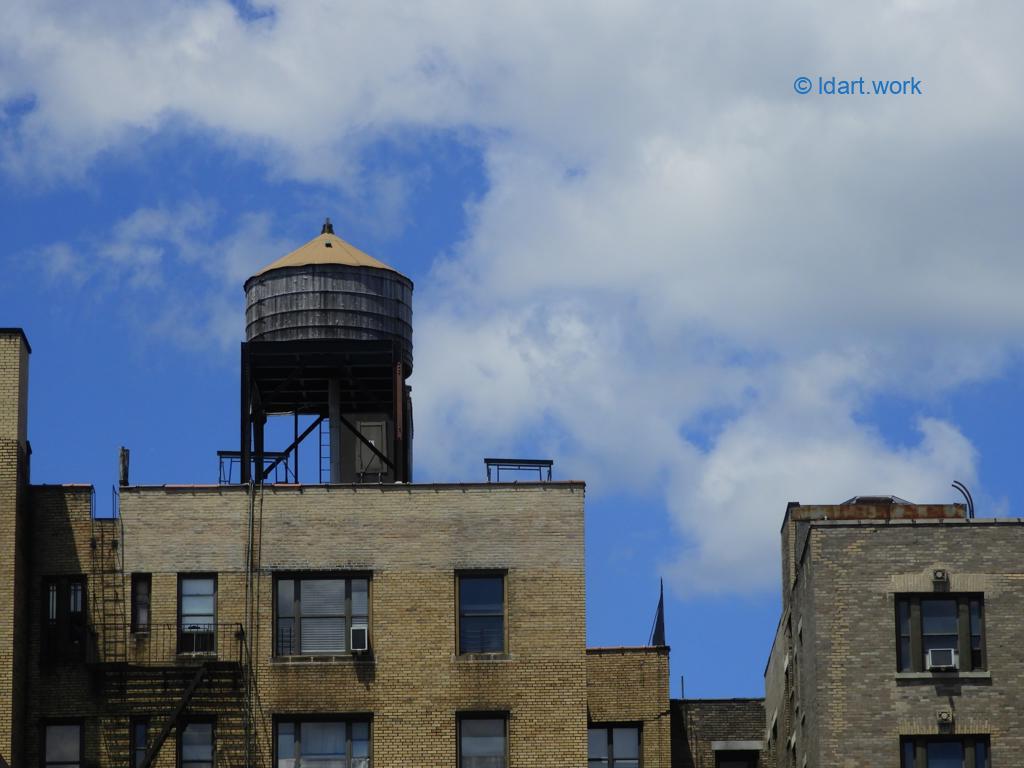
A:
x: 145, y: 676
x: 109, y: 604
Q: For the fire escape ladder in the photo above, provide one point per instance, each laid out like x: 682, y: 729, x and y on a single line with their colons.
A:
x: 108, y: 591
x: 175, y: 717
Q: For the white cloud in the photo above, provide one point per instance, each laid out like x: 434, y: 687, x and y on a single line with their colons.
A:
x: 173, y: 276
x: 799, y: 444
x: 671, y: 237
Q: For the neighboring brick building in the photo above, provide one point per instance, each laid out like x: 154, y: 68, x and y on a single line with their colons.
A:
x: 898, y: 639
x: 717, y: 733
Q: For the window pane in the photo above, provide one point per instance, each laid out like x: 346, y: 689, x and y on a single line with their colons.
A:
x: 140, y: 742
x: 360, y: 742
x: 481, y: 594
x: 597, y: 743
x: 323, y: 597
x: 975, y: 616
x: 197, y: 605
x: 197, y: 743
x: 197, y: 587
x: 62, y: 743
x: 976, y: 643
x: 286, y: 597
x: 285, y: 745
x: 908, y: 754
x: 625, y: 743
x: 360, y: 597
x: 938, y: 617
x: 945, y: 754
x: 904, y: 661
x: 51, y: 606
x: 323, y: 635
x: 285, y: 636
x: 75, y: 605
x: 197, y: 612
x: 483, y: 739
x: 140, y: 601
x: 481, y: 634
x: 323, y: 744
x: 981, y: 754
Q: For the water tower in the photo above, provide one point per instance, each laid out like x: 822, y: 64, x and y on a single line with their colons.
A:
x: 329, y: 335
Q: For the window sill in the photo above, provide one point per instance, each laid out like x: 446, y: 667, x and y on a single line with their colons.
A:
x: 980, y: 674
x: 484, y: 657
x: 347, y: 658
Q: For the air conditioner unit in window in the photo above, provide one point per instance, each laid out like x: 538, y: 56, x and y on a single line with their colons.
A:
x: 943, y: 658
x: 359, y: 638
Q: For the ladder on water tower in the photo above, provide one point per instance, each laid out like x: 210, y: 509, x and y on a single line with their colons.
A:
x: 325, y: 451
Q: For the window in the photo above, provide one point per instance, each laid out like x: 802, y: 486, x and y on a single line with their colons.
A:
x: 943, y: 752
x: 195, y: 748
x: 65, y: 632
x: 63, y: 745
x: 735, y: 759
x: 141, y: 589
x: 323, y: 743
x: 613, y: 747
x: 315, y: 614
x: 483, y: 742
x: 951, y: 626
x: 140, y: 741
x: 481, y: 613
x: 197, y: 614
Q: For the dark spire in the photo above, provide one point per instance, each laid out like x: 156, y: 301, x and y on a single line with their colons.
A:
x: 658, y: 630
x: 328, y: 228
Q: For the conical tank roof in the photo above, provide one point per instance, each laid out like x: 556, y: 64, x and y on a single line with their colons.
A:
x: 326, y: 248
x: 330, y: 290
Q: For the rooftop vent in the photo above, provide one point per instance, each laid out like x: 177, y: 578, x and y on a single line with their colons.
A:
x: 876, y: 500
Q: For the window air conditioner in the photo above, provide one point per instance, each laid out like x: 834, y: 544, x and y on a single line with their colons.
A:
x: 943, y: 658
x: 359, y: 639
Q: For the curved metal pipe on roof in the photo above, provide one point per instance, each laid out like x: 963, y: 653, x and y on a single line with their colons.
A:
x: 967, y: 497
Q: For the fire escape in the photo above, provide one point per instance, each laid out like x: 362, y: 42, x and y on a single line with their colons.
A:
x: 161, y: 674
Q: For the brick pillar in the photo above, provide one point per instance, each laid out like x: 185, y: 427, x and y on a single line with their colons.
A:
x: 14, y: 541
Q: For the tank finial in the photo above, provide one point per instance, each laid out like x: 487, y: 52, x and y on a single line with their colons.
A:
x: 328, y: 228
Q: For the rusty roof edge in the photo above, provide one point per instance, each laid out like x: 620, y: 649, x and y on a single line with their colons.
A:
x: 356, y: 487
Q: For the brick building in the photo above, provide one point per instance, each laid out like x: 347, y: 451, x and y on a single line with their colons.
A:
x: 897, y: 643
x: 360, y: 620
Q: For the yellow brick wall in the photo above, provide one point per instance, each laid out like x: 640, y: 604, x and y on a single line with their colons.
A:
x: 413, y: 539
x: 630, y: 685
x: 14, y: 352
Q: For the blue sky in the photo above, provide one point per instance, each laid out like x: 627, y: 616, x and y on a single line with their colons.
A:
x: 635, y: 250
